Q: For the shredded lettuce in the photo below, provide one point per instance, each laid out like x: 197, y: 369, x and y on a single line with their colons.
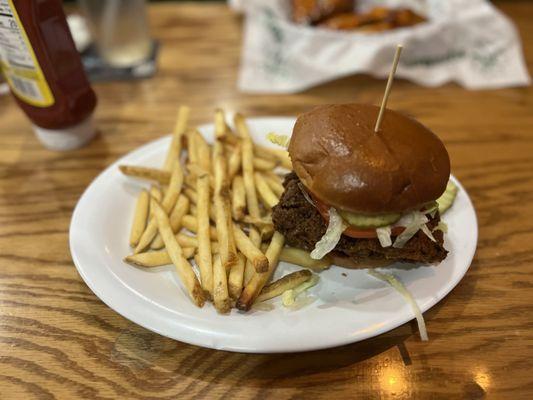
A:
x: 417, y: 221
x: 305, y: 194
x: 280, y: 140
x: 399, y: 286
x: 289, y: 296
x: 262, y: 306
x: 332, y: 236
x: 384, y: 236
x: 427, y: 232
x: 441, y: 226
x: 302, y: 302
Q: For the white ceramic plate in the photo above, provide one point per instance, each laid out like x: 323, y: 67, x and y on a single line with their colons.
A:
x: 350, y: 305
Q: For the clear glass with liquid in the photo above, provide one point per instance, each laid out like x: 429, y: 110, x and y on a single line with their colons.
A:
x: 119, y: 29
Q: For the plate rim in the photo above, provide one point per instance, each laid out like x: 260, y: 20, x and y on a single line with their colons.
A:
x: 192, y: 339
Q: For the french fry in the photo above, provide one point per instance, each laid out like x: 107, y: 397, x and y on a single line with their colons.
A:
x: 262, y: 164
x: 195, y: 171
x: 249, y: 270
x: 156, y: 193
x: 192, y: 241
x: 247, y: 166
x: 169, y: 200
x: 192, y: 153
x: 238, y: 198
x: 250, y: 250
x: 258, y: 281
x: 186, y: 240
x: 193, y: 197
x: 190, y: 223
x: 234, y: 161
x: 274, y: 182
x: 220, y: 287
x: 287, y: 282
x: 280, y: 155
x: 266, y: 195
x: 258, y: 222
x: 184, y: 269
x: 174, y: 149
x: 180, y: 209
x: 221, y: 199
x: 191, y: 194
x: 302, y: 258
x: 236, y: 277
x: 267, y: 231
x: 205, y: 262
x: 230, y: 138
x: 139, y: 218
x: 156, y: 258
x: 153, y: 174
x: 190, y: 181
x: 221, y: 128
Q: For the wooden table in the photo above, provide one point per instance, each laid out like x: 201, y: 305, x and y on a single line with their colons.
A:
x: 57, y: 340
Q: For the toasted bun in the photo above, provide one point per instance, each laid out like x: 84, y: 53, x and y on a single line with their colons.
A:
x: 344, y: 163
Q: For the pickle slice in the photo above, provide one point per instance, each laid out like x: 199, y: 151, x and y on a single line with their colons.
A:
x: 369, y: 221
x: 446, y: 200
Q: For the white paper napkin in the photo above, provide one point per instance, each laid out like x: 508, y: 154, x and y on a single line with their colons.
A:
x: 465, y: 41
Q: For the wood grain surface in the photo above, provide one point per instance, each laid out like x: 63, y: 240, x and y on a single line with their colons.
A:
x: 57, y: 340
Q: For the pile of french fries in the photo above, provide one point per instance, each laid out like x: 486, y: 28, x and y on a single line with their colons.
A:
x: 212, y: 204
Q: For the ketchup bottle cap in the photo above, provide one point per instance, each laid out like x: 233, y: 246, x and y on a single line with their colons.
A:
x: 69, y: 138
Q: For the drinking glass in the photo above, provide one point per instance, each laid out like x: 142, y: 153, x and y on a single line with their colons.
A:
x: 119, y: 29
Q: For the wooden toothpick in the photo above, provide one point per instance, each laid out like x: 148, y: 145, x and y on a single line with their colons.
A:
x: 388, y: 87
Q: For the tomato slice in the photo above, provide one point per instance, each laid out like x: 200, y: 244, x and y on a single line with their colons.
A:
x: 352, y: 231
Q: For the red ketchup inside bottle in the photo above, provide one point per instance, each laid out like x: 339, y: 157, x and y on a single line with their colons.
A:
x: 45, y: 73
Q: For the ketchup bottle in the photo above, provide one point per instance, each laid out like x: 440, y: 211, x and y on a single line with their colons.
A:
x: 45, y: 73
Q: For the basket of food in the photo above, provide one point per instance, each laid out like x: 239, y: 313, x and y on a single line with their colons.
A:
x: 291, y: 45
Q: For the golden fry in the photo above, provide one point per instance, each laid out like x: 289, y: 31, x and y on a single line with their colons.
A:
x: 139, y: 218
x: 302, y: 258
x: 192, y: 241
x: 249, y: 270
x: 258, y: 222
x: 191, y: 194
x: 266, y: 195
x: 190, y: 223
x: 153, y: 174
x: 234, y: 161
x: 262, y: 164
x: 156, y: 258
x: 192, y: 152
x: 156, y: 193
x: 267, y: 231
x: 174, y: 149
x: 180, y: 209
x: 258, y: 281
x: 274, y: 182
x: 186, y: 240
x: 221, y: 199
x: 248, y: 166
x: 184, y: 269
x: 236, y: 277
x: 238, y: 198
x: 221, y: 128
x: 169, y: 200
x: 252, y: 252
x: 205, y: 262
x: 220, y: 287
x: 280, y: 155
x: 287, y: 282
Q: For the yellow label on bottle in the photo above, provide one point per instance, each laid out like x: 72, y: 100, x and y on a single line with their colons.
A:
x: 18, y: 61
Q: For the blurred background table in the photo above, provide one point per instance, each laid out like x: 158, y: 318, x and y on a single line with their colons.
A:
x: 57, y: 340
